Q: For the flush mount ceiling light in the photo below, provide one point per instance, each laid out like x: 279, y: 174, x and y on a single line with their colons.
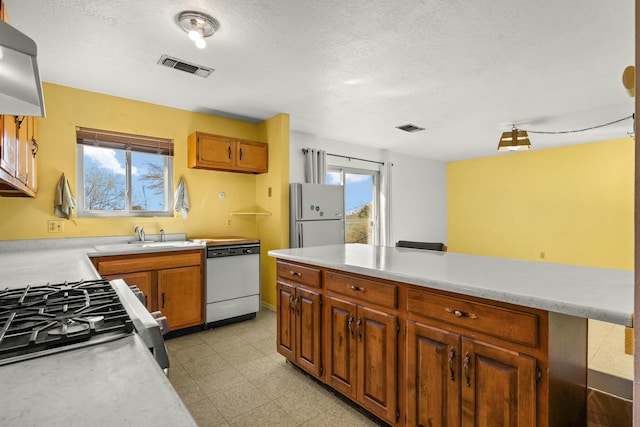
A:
x: 514, y: 140
x: 198, y: 26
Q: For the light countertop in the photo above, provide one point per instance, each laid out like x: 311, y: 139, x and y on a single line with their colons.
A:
x: 588, y: 292
x: 111, y: 384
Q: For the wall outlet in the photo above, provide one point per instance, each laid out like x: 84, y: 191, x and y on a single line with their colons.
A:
x: 229, y: 223
x: 269, y: 191
x: 55, y: 226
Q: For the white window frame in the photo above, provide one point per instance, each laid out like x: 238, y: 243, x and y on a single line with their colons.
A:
x: 127, y: 212
x: 342, y: 170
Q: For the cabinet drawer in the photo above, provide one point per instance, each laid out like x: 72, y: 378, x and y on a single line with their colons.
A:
x: 508, y: 324
x: 363, y: 290
x: 299, y: 274
x: 130, y: 263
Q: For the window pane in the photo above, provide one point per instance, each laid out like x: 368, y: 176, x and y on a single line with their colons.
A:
x: 104, y: 179
x: 359, y: 208
x: 333, y: 177
x: 148, y: 183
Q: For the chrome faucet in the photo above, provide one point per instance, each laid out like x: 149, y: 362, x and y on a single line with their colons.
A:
x: 140, y: 232
x: 162, y: 234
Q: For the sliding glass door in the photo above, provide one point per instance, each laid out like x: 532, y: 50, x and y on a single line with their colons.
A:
x: 361, y: 203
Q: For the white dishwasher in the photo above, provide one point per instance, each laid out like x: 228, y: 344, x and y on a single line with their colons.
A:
x: 232, y: 284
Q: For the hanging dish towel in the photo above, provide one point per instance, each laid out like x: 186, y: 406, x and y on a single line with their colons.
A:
x: 181, y: 198
x: 63, y: 203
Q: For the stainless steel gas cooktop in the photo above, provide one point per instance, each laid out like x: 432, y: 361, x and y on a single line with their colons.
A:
x: 40, y: 320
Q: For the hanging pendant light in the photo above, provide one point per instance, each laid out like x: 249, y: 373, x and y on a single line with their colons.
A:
x: 514, y: 140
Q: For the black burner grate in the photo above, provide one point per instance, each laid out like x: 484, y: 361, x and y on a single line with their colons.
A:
x: 41, y: 318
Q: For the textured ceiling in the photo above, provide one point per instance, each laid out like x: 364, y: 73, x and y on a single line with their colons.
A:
x: 353, y: 70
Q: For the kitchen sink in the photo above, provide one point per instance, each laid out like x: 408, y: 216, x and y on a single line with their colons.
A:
x: 136, y: 246
x: 176, y: 244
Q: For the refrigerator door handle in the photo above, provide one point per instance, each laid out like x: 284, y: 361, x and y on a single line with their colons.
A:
x: 299, y: 232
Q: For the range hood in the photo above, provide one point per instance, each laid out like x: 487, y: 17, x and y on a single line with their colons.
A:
x: 20, y: 86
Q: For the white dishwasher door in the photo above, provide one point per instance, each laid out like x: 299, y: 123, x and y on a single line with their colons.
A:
x: 233, y: 286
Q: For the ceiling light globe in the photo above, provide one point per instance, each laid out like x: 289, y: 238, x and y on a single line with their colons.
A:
x: 195, y: 35
x: 201, y: 44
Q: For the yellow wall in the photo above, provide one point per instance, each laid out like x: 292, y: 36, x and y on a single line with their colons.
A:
x: 571, y: 205
x: 274, y: 229
x: 25, y: 218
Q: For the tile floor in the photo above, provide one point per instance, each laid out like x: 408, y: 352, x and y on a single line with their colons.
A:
x: 606, y: 350
x: 233, y: 376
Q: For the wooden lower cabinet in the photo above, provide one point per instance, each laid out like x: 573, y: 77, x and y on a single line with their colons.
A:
x: 142, y: 280
x: 179, y: 291
x: 454, y: 380
x: 361, y: 355
x: 433, y: 376
x: 459, y: 361
x: 172, y: 282
x: 498, y: 386
x: 298, y: 327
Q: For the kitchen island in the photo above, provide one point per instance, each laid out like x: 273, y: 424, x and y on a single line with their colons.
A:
x: 419, y: 337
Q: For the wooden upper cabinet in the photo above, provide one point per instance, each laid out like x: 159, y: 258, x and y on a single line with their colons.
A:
x: 9, y: 154
x: 18, y: 149
x: 216, y: 152
x: 251, y: 156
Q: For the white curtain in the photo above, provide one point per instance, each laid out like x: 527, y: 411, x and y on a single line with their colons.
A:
x: 315, y: 166
x: 385, y: 204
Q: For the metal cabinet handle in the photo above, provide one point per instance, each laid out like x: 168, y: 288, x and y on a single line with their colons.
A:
x: 357, y: 288
x: 163, y: 300
x: 146, y: 302
x: 452, y: 358
x: 467, y: 363
x: 459, y: 313
x: 358, y: 325
x: 229, y: 151
x: 34, y: 147
x: 297, y: 301
x: 241, y: 154
x: 295, y: 273
x: 350, y: 326
x: 292, y: 307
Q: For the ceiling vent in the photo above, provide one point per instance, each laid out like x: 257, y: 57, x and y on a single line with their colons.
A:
x: 410, y: 128
x: 178, y: 64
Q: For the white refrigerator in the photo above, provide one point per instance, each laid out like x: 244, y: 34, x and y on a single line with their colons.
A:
x: 316, y: 215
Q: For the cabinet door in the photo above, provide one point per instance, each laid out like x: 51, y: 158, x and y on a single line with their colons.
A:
x: 32, y: 137
x: 142, y: 280
x: 285, y: 322
x: 340, y: 345
x: 498, y: 386
x: 9, y: 154
x: 251, y: 156
x: 215, y: 152
x: 24, y: 151
x: 377, y: 374
x: 308, y: 331
x: 433, y: 376
x: 180, y: 296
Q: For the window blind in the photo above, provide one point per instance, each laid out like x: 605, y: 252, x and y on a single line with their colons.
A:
x: 124, y: 141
